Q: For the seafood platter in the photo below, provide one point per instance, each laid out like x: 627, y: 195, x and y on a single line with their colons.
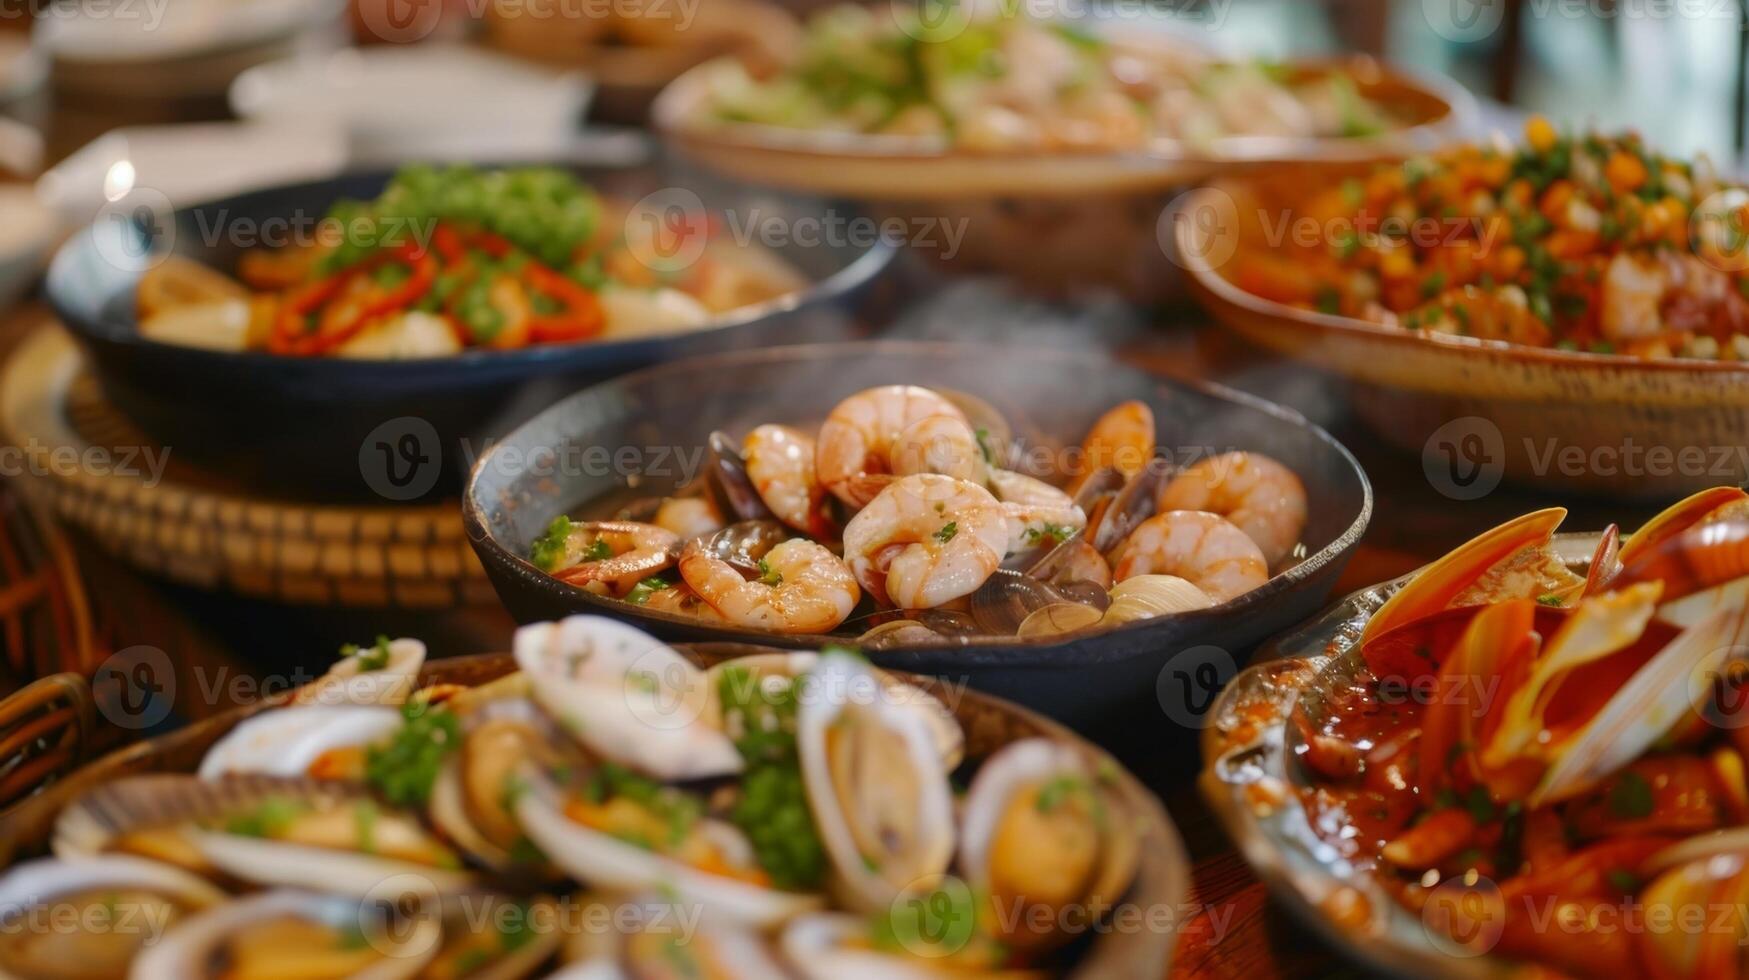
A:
x: 598, y: 804
x: 947, y: 509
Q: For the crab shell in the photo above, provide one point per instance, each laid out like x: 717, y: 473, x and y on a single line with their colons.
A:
x: 845, y: 729
x: 625, y: 696
x: 604, y: 861
x: 92, y: 824
x: 187, y: 951
x: 288, y: 743
x: 1007, y: 786
x: 945, y: 731
x: 390, y: 685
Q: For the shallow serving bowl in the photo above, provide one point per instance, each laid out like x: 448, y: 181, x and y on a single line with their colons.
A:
x: 1252, y: 775
x: 318, y: 427
x: 564, y: 462
x: 1058, y: 221
x: 1481, y: 411
x: 1160, y: 890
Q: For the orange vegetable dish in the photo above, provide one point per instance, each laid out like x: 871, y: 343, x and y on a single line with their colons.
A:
x: 1584, y: 243
x: 448, y: 259
x: 1547, y: 761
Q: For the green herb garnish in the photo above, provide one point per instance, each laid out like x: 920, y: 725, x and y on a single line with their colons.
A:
x: 374, y: 657
x: 404, y: 769
x: 549, y: 548
x: 947, y: 532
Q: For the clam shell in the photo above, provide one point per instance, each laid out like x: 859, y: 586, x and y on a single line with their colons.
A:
x: 743, y: 544
x: 1148, y: 596
x: 949, y: 738
x: 1007, y: 598
x: 625, y: 696
x: 605, y: 861
x: 187, y: 950
x: 714, y: 948
x: 37, y: 881
x: 846, y: 691
x: 992, y: 793
x: 93, y: 822
x: 1058, y: 618
x: 288, y: 742
x: 390, y: 685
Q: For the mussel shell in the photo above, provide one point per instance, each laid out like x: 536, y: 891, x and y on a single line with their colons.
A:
x: 1106, y: 480
x: 947, y: 622
x: 1007, y: 598
x: 729, y: 483
x: 896, y: 633
x: 1074, y: 562
x: 743, y: 544
x: 1135, y: 503
x: 995, y: 437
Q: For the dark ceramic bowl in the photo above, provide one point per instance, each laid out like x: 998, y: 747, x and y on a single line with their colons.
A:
x: 364, y: 430
x: 564, y: 462
x: 1162, y: 879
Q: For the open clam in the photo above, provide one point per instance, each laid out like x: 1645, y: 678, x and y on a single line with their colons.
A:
x: 119, y: 905
x: 469, y: 802
x: 756, y: 677
x: 660, y: 938
x: 384, y: 674
x: 291, y: 933
x: 615, y: 831
x: 321, y: 836
x: 625, y: 696
x: 1042, y: 837
x: 319, y: 741
x: 879, y: 798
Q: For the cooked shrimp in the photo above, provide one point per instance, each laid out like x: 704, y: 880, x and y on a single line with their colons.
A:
x: 780, y: 462
x: 943, y: 444
x: 858, y: 437
x: 688, y: 517
x: 806, y: 588
x: 1202, y: 548
x: 926, y: 540
x: 1257, y: 494
x: 1032, y: 525
x: 616, y: 555
x: 682, y: 601
x: 1038, y: 513
x: 1018, y: 488
x: 1123, y: 438
x: 1647, y: 296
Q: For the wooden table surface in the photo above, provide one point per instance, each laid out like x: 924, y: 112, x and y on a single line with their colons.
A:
x: 1244, y: 933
